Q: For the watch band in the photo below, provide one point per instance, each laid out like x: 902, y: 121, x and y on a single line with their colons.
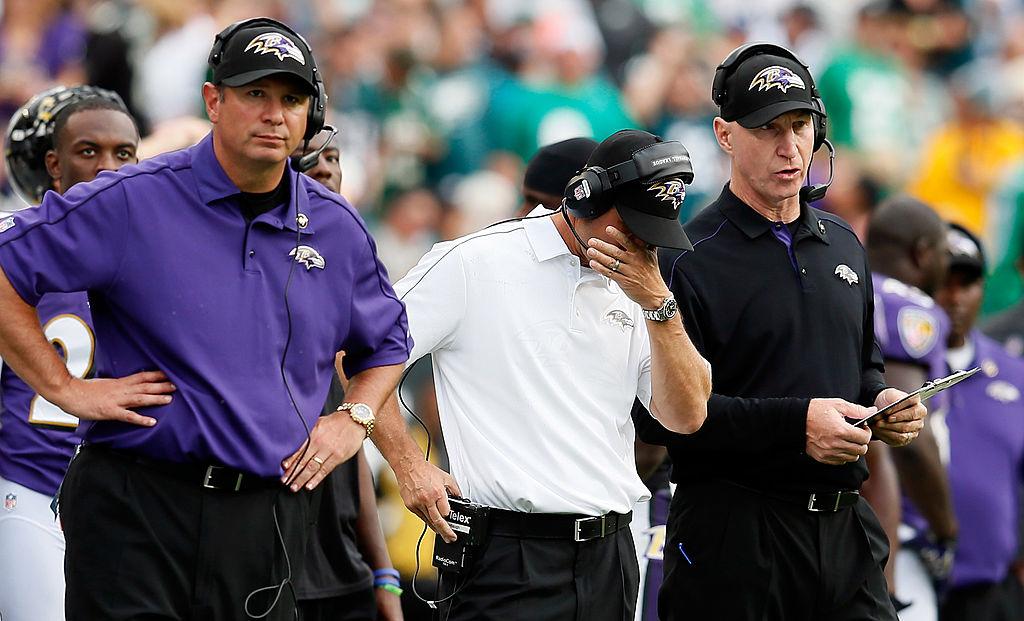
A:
x: 666, y: 311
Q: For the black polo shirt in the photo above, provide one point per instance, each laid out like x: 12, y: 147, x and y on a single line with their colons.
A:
x: 781, y: 320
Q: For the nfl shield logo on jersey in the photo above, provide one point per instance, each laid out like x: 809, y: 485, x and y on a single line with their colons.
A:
x: 10, y: 501
x: 918, y: 330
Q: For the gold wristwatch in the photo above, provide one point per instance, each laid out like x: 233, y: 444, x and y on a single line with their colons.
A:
x: 361, y: 413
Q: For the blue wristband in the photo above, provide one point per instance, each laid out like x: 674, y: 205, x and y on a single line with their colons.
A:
x: 387, y: 571
x: 385, y: 580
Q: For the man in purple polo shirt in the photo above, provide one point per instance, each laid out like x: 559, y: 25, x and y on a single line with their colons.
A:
x: 61, y: 137
x: 224, y: 276
x: 986, y: 457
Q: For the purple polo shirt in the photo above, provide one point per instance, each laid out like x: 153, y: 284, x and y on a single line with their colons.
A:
x: 910, y: 327
x: 37, y: 439
x: 179, y: 282
x: 986, y: 462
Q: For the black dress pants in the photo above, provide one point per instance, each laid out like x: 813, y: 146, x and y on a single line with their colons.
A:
x: 522, y: 579
x: 732, y: 554
x: 145, y: 545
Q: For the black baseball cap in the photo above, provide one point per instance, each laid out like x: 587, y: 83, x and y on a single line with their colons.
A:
x: 552, y: 166
x: 965, y: 251
x: 649, y: 207
x: 765, y: 86
x: 262, y: 50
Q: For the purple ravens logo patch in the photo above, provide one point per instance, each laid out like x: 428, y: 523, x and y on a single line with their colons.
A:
x: 671, y: 190
x: 277, y: 44
x: 776, y: 77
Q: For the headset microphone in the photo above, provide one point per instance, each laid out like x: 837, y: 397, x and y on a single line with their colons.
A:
x: 302, y: 163
x: 816, y: 192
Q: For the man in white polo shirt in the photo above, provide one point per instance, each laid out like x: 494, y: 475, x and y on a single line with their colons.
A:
x: 543, y: 332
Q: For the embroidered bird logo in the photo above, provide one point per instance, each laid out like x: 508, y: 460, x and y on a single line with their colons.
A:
x: 776, y: 77
x: 277, y: 44
x: 671, y: 190
x: 844, y: 272
x: 620, y: 318
x: 307, y: 256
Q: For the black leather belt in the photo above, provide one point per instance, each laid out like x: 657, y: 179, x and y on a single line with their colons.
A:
x: 817, y: 502
x: 207, y: 476
x: 556, y: 525
x: 830, y: 502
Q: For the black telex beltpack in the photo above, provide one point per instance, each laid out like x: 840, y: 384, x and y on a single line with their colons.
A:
x: 469, y: 521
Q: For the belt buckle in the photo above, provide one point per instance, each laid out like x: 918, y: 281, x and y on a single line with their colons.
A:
x: 580, y: 521
x: 834, y: 508
x: 209, y: 475
x: 810, y: 504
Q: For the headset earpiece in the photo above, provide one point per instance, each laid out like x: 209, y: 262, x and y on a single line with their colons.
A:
x: 317, y: 114
x: 585, y: 193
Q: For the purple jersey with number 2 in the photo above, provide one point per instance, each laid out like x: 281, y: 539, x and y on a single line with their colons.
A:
x: 36, y: 437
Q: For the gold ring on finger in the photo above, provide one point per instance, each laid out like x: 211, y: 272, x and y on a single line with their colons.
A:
x: 319, y: 460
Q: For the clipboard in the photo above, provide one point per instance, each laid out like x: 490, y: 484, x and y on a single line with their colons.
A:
x: 929, y: 389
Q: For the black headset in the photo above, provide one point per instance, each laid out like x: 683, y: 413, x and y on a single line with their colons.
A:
x: 318, y: 101
x: 588, y: 194
x: 719, y: 92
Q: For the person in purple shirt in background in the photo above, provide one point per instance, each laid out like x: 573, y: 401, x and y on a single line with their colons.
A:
x: 907, y: 252
x: 59, y: 138
x: 222, y: 284
x: 986, y: 457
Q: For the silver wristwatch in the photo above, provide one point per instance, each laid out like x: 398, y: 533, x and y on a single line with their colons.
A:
x: 666, y: 311
x: 361, y: 413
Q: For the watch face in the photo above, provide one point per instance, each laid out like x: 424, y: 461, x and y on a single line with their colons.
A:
x: 362, y: 412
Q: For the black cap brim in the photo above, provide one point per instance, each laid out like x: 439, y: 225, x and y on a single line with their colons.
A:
x: 655, y: 230
x: 251, y: 76
x: 762, y: 116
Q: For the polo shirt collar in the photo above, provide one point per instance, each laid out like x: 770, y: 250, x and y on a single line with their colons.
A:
x: 544, y: 238
x: 754, y: 224
x: 213, y: 184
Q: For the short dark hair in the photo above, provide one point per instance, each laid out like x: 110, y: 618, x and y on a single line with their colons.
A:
x: 88, y: 103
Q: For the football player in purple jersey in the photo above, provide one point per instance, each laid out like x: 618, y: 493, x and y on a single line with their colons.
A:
x: 908, y: 255
x: 61, y: 137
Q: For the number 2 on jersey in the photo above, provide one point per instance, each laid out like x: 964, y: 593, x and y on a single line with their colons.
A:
x: 74, y: 340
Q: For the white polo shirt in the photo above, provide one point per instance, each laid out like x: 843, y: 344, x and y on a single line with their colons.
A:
x: 536, y: 363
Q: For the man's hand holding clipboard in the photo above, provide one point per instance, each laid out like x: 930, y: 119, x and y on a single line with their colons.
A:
x: 901, y: 416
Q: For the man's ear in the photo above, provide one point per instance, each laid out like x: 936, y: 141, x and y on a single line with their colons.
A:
x: 53, y: 168
x: 723, y: 133
x: 211, y: 96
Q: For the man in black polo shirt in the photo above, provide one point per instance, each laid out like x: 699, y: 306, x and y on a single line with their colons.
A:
x: 767, y: 522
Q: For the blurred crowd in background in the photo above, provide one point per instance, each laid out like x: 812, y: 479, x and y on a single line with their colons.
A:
x: 440, y: 102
